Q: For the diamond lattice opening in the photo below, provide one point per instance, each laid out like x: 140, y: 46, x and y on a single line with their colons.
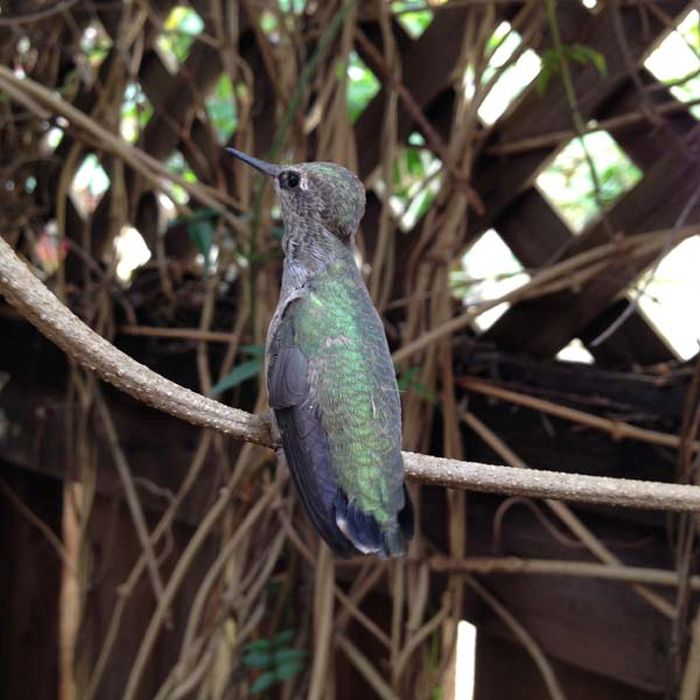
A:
x: 465, y: 662
x: 89, y: 185
x: 26, y: 56
x: 52, y: 138
x: 676, y: 61
x: 267, y: 21
x: 668, y: 296
x: 136, y: 112
x: 412, y: 16
x: 362, y: 86
x: 504, y: 78
x: 575, y: 351
x: 221, y: 107
x: 568, y: 184
x: 488, y: 271
x: 295, y: 7
x: 177, y: 164
x: 180, y: 29
x: 131, y: 251
x: 95, y: 44
x: 50, y: 249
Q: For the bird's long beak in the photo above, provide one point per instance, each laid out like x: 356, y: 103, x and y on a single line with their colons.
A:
x: 269, y: 169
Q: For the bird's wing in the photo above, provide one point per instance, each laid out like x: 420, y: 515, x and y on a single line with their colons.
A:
x: 304, y: 438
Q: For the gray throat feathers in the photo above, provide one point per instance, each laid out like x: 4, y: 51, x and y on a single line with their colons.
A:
x: 308, y: 249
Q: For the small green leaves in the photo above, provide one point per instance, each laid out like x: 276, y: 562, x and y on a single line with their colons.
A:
x: 221, y: 107
x: 201, y: 226
x: 409, y: 381
x: 275, y: 658
x: 243, y: 371
x: 253, y: 350
x: 238, y: 375
x: 263, y: 682
x: 362, y: 85
x: 201, y: 231
x: 576, y: 53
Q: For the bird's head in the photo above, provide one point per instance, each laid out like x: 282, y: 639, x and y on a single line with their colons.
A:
x: 324, y: 193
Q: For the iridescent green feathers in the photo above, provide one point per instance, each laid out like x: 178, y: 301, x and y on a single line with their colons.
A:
x: 332, y: 386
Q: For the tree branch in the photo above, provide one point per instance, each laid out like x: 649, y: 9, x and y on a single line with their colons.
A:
x: 36, y: 303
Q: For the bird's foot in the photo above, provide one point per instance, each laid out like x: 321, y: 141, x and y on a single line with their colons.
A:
x: 274, y: 429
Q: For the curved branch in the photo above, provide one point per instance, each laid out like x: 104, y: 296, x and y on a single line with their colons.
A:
x: 59, y: 324
x: 52, y: 318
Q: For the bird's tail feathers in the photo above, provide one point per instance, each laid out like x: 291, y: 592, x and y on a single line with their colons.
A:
x: 367, y: 535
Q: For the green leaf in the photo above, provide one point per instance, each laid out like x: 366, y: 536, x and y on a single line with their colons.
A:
x: 598, y: 60
x: 408, y: 381
x: 283, y: 638
x: 239, y: 374
x: 263, y: 682
x: 201, y: 231
x: 283, y: 656
x: 258, y: 659
x: 287, y: 670
x: 222, y: 108
x: 361, y: 87
x: 415, y: 162
x: 253, y: 350
x: 550, y: 67
x: 543, y: 79
x: 257, y: 645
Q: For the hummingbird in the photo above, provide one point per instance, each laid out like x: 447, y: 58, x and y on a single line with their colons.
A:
x: 330, y: 379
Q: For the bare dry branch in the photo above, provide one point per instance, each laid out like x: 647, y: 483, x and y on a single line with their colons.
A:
x: 554, y: 567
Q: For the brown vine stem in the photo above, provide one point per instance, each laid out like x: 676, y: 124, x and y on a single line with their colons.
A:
x: 532, y: 647
x: 130, y: 494
x: 617, y: 429
x: 360, y: 662
x: 413, y: 108
x: 555, y: 567
x: 41, y: 307
x: 35, y: 521
x: 552, y: 139
x: 564, y: 513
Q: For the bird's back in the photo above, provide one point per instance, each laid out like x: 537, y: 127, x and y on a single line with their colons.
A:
x: 347, y: 414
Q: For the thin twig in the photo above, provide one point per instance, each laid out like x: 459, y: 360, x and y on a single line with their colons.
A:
x: 413, y: 108
x: 194, y: 334
x: 36, y: 15
x: 525, y: 638
x: 139, y: 160
x: 130, y: 494
x: 554, y: 138
x: 552, y: 567
x: 176, y: 580
x: 360, y: 662
x: 564, y: 513
x: 35, y: 521
x: 617, y: 429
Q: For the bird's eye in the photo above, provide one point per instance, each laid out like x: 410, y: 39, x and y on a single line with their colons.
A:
x: 289, y: 179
